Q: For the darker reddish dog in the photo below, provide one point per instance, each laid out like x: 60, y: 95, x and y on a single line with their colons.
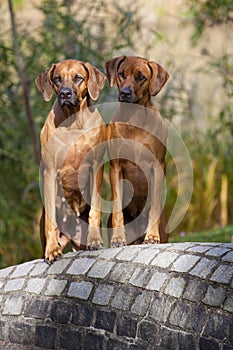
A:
x: 70, y: 140
x: 137, y: 138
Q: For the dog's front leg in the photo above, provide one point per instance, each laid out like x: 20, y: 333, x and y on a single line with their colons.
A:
x: 156, y: 188
x: 94, y: 240
x: 118, y: 231
x: 52, y: 248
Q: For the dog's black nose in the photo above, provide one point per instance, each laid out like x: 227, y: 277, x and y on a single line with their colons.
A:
x: 65, y: 93
x: 125, y: 92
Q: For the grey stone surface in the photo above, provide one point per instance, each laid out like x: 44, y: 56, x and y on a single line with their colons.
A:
x: 100, y: 269
x: 15, y: 284
x: 175, y: 287
x: 204, y: 268
x: 102, y: 294
x: 55, y: 287
x: 80, y: 266
x: 185, y: 263
x: 157, y: 281
x: 35, y: 285
x: 81, y: 290
x: 146, y: 297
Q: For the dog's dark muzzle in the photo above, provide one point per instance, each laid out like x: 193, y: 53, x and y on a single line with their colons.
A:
x: 126, y: 94
x: 67, y: 97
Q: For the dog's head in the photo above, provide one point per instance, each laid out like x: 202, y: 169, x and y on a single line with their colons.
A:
x: 72, y: 80
x: 137, y: 78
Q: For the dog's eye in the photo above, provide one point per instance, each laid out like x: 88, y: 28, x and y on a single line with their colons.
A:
x: 57, y: 79
x: 77, y: 78
x: 140, y: 77
x: 121, y: 75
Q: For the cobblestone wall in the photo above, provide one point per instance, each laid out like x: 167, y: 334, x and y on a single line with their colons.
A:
x: 165, y: 297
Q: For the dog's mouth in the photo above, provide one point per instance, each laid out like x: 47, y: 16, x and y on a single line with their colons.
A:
x: 69, y: 103
x: 128, y: 99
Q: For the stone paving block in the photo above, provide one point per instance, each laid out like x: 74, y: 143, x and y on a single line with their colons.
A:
x: 223, y: 274
x: 103, y: 294
x: 179, y: 315
x: 61, y: 312
x: 140, y: 277
x: 169, y: 339
x: 37, y: 308
x: 214, y: 296
x: 121, y: 272
x: 35, y: 285
x: 6, y: 272
x: 217, y: 326
x: 157, y: 281
x: 110, y: 253
x: 13, y: 305
x: 199, y: 249
x: 160, y: 308
x: 195, y: 290
x: 217, y: 251
x: 93, y: 341
x: 56, y: 287
x: 175, y: 287
x: 105, y: 320
x: 21, y: 333
x: 228, y: 257
x: 39, y: 269
x: 209, y: 344
x: 58, y: 267
x: 164, y: 259
x: 82, y: 315
x: 146, y: 256
x: 228, y: 305
x: 80, y: 266
x: 182, y: 246
x: 148, y: 332
x: 184, y: 263
x: 141, y: 303
x: 126, y: 326
x: 70, y: 339
x: 13, y: 285
x: 46, y: 336
x: 81, y: 290
x: 123, y: 298
x: 204, y: 268
x: 23, y: 269
x: 101, y: 269
x: 187, y: 341
x: 128, y: 254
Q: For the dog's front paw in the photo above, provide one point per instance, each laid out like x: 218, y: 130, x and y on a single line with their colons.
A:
x: 94, y: 239
x: 152, y: 236
x: 52, y: 251
x: 118, y: 237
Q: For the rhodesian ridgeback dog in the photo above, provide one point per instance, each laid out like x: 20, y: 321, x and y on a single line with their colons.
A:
x: 137, y: 137
x: 72, y: 148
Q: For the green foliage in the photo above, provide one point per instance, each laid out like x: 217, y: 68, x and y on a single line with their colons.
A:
x: 220, y: 234
x: 208, y: 13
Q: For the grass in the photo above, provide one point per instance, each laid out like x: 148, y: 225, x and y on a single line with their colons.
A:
x: 220, y: 234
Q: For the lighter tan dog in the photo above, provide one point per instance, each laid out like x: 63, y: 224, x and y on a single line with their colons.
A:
x: 137, y: 138
x: 72, y: 147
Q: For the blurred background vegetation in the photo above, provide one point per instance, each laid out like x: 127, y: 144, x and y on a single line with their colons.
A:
x: 192, y: 39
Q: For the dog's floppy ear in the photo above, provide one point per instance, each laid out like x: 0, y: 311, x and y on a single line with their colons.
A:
x: 95, y: 82
x: 111, y: 67
x: 159, y: 76
x: 44, y: 81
